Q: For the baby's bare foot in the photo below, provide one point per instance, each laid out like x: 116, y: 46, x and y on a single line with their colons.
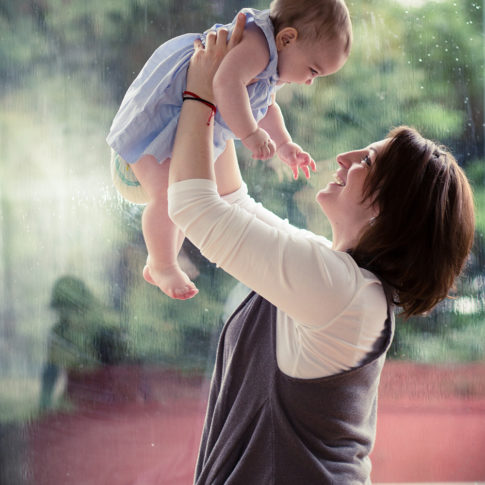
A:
x: 171, y: 280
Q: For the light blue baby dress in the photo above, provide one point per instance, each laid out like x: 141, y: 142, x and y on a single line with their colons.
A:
x: 147, y: 119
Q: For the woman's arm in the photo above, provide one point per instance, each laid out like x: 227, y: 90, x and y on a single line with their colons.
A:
x: 300, y: 275
x: 290, y: 271
x: 241, y: 198
x: 192, y: 151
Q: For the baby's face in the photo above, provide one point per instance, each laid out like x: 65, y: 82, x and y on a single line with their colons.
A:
x: 301, y: 62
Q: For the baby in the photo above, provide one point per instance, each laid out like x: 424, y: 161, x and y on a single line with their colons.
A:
x: 294, y: 41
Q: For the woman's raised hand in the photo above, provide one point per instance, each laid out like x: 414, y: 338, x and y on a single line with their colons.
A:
x: 206, y: 60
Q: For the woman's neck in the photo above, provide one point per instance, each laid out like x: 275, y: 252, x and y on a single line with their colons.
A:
x: 345, y: 239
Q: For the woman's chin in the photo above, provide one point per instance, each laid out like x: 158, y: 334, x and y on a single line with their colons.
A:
x: 326, y: 191
x: 322, y: 197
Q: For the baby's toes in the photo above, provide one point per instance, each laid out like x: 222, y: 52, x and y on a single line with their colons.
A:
x: 186, y: 292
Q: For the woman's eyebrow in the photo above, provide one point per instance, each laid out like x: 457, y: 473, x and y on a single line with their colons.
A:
x: 372, y: 150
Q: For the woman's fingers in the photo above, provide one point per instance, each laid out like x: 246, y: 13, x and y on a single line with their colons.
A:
x: 206, y: 59
x: 210, y: 39
x: 222, y: 37
x: 219, y: 38
x: 237, y: 33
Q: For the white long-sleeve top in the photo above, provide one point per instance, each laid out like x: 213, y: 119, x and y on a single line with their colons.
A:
x: 331, y: 313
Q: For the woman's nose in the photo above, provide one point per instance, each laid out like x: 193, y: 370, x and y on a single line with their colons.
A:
x: 343, y: 160
x: 346, y: 159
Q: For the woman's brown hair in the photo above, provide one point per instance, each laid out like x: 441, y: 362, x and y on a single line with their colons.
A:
x: 420, y: 240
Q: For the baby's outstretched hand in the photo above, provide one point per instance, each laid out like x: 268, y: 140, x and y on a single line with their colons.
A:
x: 261, y: 145
x: 292, y: 154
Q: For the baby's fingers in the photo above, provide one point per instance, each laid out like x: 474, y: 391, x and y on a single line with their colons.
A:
x: 266, y: 150
x: 305, y: 170
x: 263, y: 153
x: 305, y: 161
x: 271, y: 149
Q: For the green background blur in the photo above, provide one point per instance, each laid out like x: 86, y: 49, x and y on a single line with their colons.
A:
x: 71, y: 251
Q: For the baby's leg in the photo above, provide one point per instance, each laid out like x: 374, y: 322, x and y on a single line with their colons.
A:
x: 163, y: 238
x: 228, y: 175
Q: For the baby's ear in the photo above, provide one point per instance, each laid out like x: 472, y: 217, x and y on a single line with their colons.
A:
x: 285, y: 37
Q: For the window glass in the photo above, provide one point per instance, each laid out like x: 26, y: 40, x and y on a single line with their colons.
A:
x: 103, y: 379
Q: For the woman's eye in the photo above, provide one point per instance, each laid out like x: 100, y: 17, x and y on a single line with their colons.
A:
x: 366, y: 160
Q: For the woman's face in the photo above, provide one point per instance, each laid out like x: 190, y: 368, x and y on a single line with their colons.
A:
x: 341, y: 199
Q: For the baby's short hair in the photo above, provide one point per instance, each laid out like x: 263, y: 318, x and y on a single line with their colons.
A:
x: 315, y: 20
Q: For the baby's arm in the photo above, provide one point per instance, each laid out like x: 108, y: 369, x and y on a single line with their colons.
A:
x: 289, y: 152
x: 238, y: 69
x: 274, y: 124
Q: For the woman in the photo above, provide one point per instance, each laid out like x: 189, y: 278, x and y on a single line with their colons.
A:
x: 293, y: 395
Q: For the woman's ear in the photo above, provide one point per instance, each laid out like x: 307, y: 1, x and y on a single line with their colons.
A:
x: 285, y: 37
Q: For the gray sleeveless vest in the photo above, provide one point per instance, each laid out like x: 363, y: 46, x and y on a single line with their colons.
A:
x: 265, y: 428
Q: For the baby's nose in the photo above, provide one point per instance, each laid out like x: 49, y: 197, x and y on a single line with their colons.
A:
x: 309, y: 82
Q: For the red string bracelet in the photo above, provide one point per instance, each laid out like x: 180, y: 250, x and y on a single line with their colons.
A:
x: 191, y: 95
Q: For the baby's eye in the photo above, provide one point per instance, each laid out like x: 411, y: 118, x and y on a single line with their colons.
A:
x: 313, y: 71
x: 366, y: 160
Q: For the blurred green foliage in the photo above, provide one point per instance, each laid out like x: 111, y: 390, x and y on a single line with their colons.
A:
x: 70, y: 62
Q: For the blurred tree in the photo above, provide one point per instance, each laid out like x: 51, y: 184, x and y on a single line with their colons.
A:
x: 22, y: 48
x: 404, y: 69
x: 419, y: 66
x: 448, y: 47
x: 118, y: 37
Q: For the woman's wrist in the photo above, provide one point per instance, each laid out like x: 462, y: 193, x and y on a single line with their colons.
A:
x: 191, y: 96
x: 202, y: 89
x: 193, y: 151
x: 200, y: 75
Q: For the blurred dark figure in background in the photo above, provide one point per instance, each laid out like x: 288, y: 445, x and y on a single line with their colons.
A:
x: 87, y: 335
